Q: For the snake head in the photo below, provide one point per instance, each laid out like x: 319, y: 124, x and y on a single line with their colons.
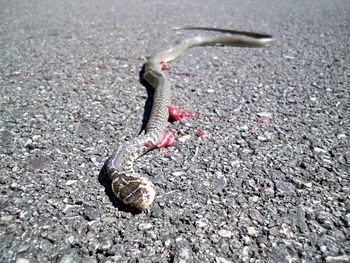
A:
x: 134, y: 189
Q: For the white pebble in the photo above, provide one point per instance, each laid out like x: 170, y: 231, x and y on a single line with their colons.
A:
x: 70, y: 182
x: 179, y: 173
x: 145, y: 226
x: 210, y: 90
x: 319, y: 150
x: 251, y: 231
x: 224, y: 233
x: 265, y: 114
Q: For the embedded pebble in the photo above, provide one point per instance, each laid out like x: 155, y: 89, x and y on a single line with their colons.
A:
x: 210, y: 90
x: 254, y: 199
x: 347, y: 156
x: 6, y: 218
x: 254, y: 214
x: 338, y: 259
x: 235, y: 163
x: 70, y: 258
x: 179, y: 173
x: 88, y: 260
x: 225, y: 233
x: 183, y: 251
x: 71, y: 182
x: 341, y: 136
x: 222, y: 260
x: 251, y: 231
x: 308, y: 184
x: 201, y: 223
x: 274, y: 231
x: 318, y: 150
x: 184, y: 138
x: 285, y: 187
x: 145, y: 226
x: 265, y: 114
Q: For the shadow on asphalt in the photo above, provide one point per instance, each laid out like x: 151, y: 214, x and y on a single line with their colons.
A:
x: 149, y: 101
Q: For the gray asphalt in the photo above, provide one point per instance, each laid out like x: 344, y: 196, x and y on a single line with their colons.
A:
x: 269, y: 182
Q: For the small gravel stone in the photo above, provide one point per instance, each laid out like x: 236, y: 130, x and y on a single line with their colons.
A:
x: 184, y: 138
x: 145, y: 226
x: 265, y: 114
x: 6, y: 218
x: 235, y: 163
x: 273, y: 231
x: 338, y: 259
x: 183, y: 252
x: 254, y: 214
x: 88, y: 260
x: 308, y: 184
x: 341, y: 136
x: 70, y: 258
x: 225, y: 233
x: 347, y: 156
x: 222, y: 260
x: 285, y: 187
x: 179, y: 173
x: 254, y: 199
x: 202, y: 223
x: 262, y: 138
x: 318, y: 150
x: 71, y: 239
x: 71, y: 182
x: 251, y: 231
x: 210, y: 90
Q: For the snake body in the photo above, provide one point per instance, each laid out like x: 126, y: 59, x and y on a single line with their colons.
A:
x: 135, y: 189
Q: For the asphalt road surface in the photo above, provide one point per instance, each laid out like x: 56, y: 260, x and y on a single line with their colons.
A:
x: 269, y: 182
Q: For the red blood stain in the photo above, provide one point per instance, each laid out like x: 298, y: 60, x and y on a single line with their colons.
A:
x: 167, y: 138
x: 252, y: 129
x: 178, y: 115
x: 164, y: 65
x: 148, y: 145
x: 201, y: 134
x: 264, y: 120
x: 28, y: 74
x: 85, y: 82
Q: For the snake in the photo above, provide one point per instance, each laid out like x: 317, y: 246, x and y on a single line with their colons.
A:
x: 135, y: 189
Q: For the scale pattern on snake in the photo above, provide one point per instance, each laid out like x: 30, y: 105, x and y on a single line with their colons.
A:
x: 135, y: 189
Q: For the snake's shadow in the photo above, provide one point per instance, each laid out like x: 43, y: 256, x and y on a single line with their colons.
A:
x: 103, y: 177
x: 149, y: 101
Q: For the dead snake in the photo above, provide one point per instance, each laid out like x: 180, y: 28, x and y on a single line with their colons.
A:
x: 135, y: 189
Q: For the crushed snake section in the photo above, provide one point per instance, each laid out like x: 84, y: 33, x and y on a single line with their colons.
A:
x: 135, y: 189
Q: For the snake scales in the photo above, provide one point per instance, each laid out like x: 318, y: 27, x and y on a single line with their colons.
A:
x: 135, y: 189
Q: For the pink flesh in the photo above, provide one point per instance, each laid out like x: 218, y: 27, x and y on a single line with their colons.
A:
x: 164, y: 65
x: 201, y: 134
x: 178, y: 115
x: 148, y: 145
x: 167, y: 138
